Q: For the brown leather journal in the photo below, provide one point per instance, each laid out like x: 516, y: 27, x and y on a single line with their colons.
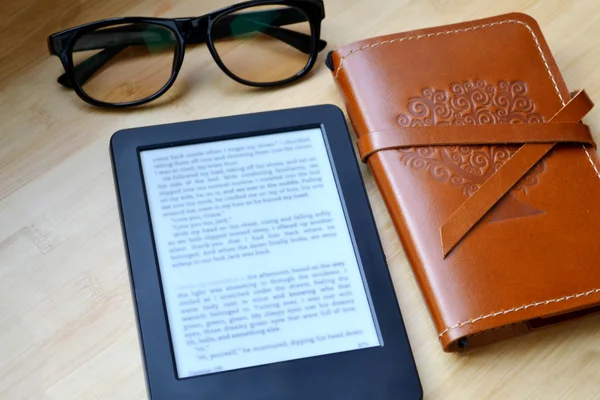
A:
x: 492, y: 181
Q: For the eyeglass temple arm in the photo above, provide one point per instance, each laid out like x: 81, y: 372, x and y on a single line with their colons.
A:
x: 298, y: 40
x: 87, y: 68
x: 269, y: 22
x: 132, y: 36
x: 113, y: 41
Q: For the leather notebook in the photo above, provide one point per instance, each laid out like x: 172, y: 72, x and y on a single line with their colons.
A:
x: 490, y: 177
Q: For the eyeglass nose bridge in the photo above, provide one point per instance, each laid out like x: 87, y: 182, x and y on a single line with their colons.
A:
x: 194, y: 30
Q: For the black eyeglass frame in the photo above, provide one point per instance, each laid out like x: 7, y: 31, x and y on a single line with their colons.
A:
x: 187, y: 31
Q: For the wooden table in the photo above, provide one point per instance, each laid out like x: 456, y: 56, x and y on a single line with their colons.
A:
x: 67, y: 325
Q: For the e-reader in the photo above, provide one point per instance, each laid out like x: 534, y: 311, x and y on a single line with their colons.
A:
x: 255, y: 264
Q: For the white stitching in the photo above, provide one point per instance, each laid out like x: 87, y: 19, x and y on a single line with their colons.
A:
x: 523, y: 307
x: 591, y: 162
x: 472, y: 28
x: 537, y: 43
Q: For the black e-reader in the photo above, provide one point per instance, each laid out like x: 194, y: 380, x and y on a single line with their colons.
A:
x: 255, y: 264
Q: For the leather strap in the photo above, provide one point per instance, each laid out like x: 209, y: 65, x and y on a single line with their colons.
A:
x: 498, y: 185
x: 537, y: 140
x: 472, y: 135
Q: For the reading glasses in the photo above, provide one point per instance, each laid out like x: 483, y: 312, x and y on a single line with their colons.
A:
x: 129, y: 61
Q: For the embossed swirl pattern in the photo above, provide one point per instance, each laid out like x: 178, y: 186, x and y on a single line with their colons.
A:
x: 469, y: 103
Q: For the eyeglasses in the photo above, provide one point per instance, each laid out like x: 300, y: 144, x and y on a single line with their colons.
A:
x: 129, y: 61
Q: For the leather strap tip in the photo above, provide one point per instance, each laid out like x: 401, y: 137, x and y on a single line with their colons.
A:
x: 447, y: 246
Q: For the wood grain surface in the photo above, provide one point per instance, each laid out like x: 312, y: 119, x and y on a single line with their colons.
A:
x: 67, y: 324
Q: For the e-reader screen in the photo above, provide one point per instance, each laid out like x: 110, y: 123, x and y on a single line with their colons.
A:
x: 256, y: 258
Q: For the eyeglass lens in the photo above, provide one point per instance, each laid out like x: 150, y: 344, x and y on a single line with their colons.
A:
x: 263, y: 44
x: 124, y: 63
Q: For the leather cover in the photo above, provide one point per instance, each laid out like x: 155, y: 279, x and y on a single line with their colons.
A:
x: 501, y: 224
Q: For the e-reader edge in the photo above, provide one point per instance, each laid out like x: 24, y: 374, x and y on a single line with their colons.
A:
x: 385, y: 371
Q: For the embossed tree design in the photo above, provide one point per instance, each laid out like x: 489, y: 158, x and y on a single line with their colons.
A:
x: 469, y: 103
x: 468, y: 167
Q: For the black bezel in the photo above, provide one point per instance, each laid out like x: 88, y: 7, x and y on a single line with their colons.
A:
x: 384, y: 372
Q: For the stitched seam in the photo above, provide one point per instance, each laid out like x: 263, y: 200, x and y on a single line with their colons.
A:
x: 451, y: 32
x: 491, y: 330
x: 520, y: 308
x: 591, y: 161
